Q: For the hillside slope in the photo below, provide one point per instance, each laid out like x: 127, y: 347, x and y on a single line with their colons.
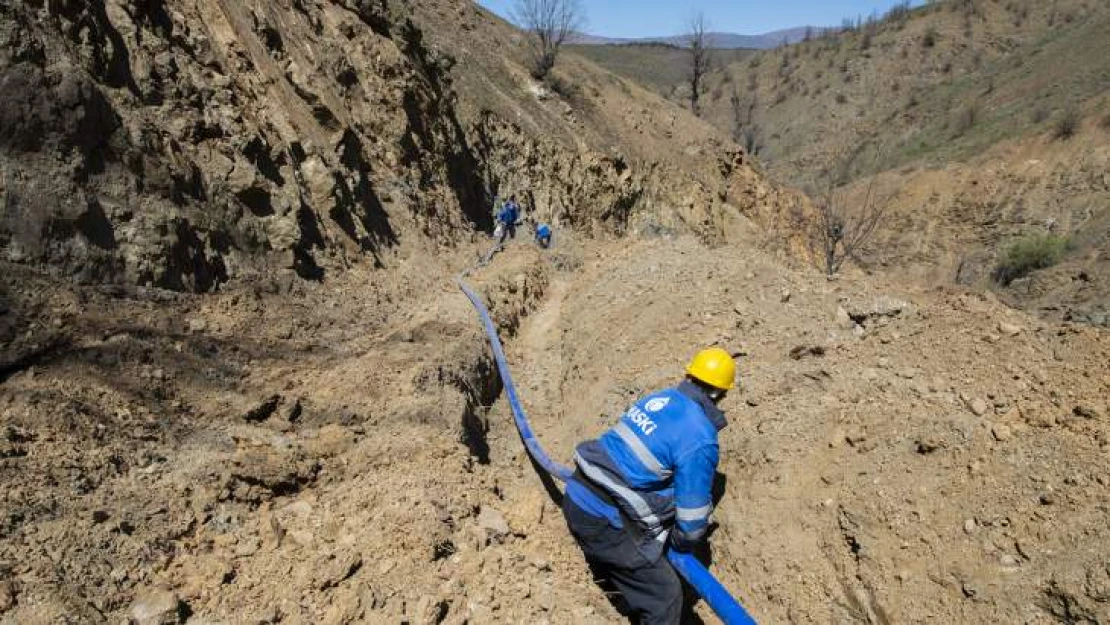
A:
x: 663, y: 69
x: 185, y: 144
x: 238, y: 383
x: 233, y: 362
x: 340, y: 453
x: 986, y: 123
x: 895, y: 454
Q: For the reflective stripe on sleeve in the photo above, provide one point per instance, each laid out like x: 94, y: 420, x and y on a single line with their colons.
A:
x: 693, y: 514
x: 643, y: 510
x: 694, y: 534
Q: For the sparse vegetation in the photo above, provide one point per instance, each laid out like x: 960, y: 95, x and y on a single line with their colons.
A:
x: 841, y: 229
x: 965, y: 120
x: 898, y: 14
x: 662, y: 68
x: 868, y: 31
x: 929, y: 39
x: 744, y: 130
x: 564, y: 87
x: 548, y: 24
x: 1028, y: 254
x: 865, y: 39
x: 1068, y: 123
x: 974, y: 90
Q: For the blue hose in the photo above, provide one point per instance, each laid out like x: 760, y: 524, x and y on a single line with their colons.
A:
x: 526, y: 433
x: 712, y: 591
x: 700, y: 579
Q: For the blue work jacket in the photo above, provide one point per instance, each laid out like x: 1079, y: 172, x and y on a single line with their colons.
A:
x: 657, y: 464
x: 509, y: 214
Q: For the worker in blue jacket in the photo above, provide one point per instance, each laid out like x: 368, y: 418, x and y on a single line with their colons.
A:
x: 646, y: 485
x: 543, y: 235
x: 507, y: 219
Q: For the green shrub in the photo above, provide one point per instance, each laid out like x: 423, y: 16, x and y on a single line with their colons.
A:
x: 569, y: 90
x: 1029, y: 254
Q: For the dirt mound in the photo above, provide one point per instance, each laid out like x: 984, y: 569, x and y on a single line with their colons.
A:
x: 202, y: 445
x: 894, y: 455
x: 338, y: 452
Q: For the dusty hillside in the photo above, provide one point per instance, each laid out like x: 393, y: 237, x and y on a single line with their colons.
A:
x: 321, y: 170
x: 895, y: 456
x: 239, y: 385
x: 307, y: 453
x: 951, y: 225
x: 642, y: 164
x: 899, y: 88
x: 662, y: 68
x: 986, y: 122
x: 186, y: 144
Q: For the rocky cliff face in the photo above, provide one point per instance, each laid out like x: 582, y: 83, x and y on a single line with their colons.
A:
x: 606, y: 193
x: 184, y: 143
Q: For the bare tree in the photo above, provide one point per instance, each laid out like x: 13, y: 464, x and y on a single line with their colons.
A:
x: 548, y: 24
x: 744, y: 129
x: 840, y: 229
x: 701, y: 57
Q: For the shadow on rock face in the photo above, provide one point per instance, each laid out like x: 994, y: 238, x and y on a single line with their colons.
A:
x: 94, y: 225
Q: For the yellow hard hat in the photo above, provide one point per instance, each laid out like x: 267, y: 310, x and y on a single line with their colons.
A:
x: 715, y: 367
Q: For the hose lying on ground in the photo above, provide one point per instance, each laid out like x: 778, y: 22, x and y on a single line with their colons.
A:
x: 712, y: 591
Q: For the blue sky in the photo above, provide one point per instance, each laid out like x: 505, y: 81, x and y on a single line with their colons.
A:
x: 642, y: 18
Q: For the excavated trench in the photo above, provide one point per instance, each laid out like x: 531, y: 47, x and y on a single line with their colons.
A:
x: 233, y: 427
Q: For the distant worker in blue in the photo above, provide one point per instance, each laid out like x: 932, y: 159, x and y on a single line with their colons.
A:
x: 507, y: 219
x: 646, y: 486
x: 543, y: 235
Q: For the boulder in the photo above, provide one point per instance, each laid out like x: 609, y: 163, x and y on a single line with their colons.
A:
x: 9, y: 592
x: 157, y: 606
x: 879, y: 308
x: 978, y: 406
x: 493, y: 523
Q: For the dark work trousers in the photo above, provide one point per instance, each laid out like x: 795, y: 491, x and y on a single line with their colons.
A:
x: 508, y: 231
x: 652, y: 590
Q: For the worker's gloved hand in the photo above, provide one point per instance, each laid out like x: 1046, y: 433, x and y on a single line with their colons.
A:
x: 681, y: 543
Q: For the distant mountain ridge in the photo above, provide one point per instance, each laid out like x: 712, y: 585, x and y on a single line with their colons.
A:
x: 763, y: 41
